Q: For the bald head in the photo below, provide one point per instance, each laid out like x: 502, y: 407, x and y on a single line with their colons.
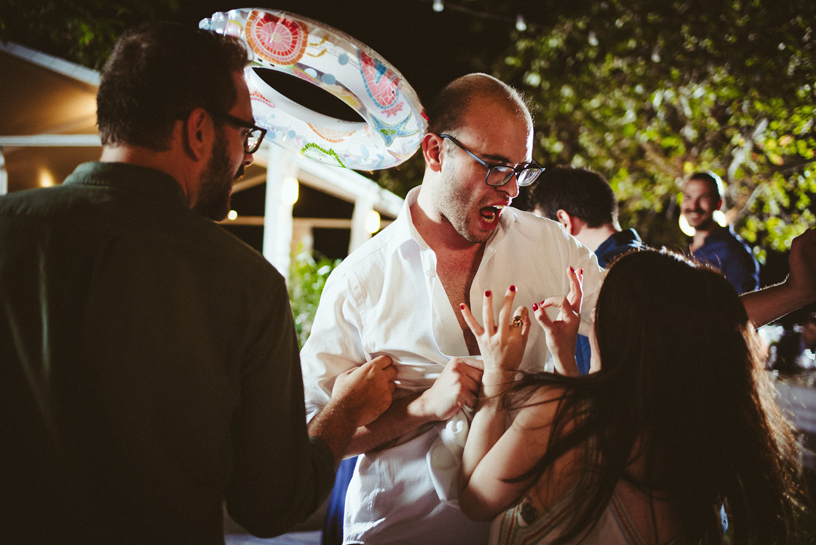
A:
x: 448, y: 110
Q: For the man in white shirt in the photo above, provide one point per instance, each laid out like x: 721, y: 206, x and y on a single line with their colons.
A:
x: 399, y: 294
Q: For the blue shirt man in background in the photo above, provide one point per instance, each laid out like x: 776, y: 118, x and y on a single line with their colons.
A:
x: 583, y: 202
x: 712, y: 243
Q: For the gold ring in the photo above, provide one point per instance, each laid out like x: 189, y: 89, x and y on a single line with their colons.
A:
x: 517, y: 321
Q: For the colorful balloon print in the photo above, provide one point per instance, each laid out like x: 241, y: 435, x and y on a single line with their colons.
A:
x: 393, y: 121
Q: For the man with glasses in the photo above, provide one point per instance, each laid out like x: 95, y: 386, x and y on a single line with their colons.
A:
x: 400, y: 294
x: 149, y: 368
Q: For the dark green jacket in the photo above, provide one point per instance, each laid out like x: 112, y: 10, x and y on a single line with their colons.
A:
x: 148, y: 371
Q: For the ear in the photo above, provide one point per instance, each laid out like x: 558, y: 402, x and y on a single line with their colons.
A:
x: 197, y: 132
x: 565, y: 220
x: 432, y: 151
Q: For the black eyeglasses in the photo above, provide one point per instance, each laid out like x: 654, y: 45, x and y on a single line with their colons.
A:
x: 253, y: 137
x: 498, y: 175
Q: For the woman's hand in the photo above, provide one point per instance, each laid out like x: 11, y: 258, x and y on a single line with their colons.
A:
x: 562, y: 333
x: 501, y: 343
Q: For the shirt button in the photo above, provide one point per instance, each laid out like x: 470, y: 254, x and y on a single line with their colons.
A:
x: 429, y: 273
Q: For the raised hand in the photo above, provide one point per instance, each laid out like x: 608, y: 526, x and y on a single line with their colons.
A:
x: 562, y: 333
x: 501, y: 343
x: 366, y: 392
x: 802, y: 262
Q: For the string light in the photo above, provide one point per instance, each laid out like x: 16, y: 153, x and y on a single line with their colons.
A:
x: 439, y: 5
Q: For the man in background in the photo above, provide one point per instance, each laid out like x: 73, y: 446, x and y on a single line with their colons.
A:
x: 583, y: 202
x: 720, y: 246
x: 149, y: 367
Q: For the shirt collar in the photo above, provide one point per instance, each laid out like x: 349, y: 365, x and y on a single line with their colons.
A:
x: 147, y: 181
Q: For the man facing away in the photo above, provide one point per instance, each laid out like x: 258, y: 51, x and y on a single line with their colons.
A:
x: 399, y: 294
x: 720, y: 246
x: 149, y: 361
x: 583, y: 202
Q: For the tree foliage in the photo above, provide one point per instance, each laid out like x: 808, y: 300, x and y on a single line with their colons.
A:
x: 82, y: 31
x: 307, y: 278
x: 648, y: 91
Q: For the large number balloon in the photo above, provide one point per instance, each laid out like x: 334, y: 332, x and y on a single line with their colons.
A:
x: 394, y: 121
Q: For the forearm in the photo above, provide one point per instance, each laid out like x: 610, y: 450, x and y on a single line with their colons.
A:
x: 771, y: 303
x: 335, y: 427
x: 405, y: 415
x: 488, y: 424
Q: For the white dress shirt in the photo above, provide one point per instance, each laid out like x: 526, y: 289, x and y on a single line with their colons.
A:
x: 386, y: 298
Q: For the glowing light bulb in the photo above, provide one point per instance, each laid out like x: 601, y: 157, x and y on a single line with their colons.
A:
x: 46, y: 178
x: 438, y: 6
x: 232, y: 214
x: 372, y: 222
x: 289, y: 191
x: 719, y: 217
x: 687, y: 229
x: 521, y: 26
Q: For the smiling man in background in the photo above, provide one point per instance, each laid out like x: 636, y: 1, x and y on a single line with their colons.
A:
x: 703, y: 195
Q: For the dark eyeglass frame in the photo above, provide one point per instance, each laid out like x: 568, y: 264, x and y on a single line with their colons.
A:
x: 254, y: 136
x: 526, y: 173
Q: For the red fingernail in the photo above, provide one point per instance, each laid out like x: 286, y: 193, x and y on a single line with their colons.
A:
x: 462, y: 306
x: 487, y: 293
x: 582, y: 271
x: 541, y: 303
x: 535, y: 306
x: 512, y: 288
x: 572, y: 270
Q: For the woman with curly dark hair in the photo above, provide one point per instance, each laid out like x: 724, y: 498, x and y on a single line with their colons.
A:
x: 677, y: 429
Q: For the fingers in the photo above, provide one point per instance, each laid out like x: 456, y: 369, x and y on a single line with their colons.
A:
x: 470, y: 367
x: 506, y: 309
x: 476, y: 363
x: 470, y: 320
x: 576, y: 292
x: 541, y: 315
x: 523, y: 314
x: 487, y: 312
x: 384, y: 363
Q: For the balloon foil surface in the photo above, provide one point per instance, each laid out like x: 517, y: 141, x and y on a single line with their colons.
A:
x: 392, y: 118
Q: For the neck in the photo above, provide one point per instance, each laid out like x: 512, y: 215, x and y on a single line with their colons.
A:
x: 163, y: 161
x: 700, y: 235
x: 593, y: 237
x: 437, y: 231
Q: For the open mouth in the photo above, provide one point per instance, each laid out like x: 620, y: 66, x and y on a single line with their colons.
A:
x: 491, y: 213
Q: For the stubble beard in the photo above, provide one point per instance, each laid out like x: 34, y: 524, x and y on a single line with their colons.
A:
x: 216, y: 182
x: 453, y: 206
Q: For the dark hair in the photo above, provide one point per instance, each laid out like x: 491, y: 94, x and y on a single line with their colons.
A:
x: 157, y: 73
x: 580, y: 192
x: 714, y: 182
x: 448, y: 110
x: 680, y: 373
